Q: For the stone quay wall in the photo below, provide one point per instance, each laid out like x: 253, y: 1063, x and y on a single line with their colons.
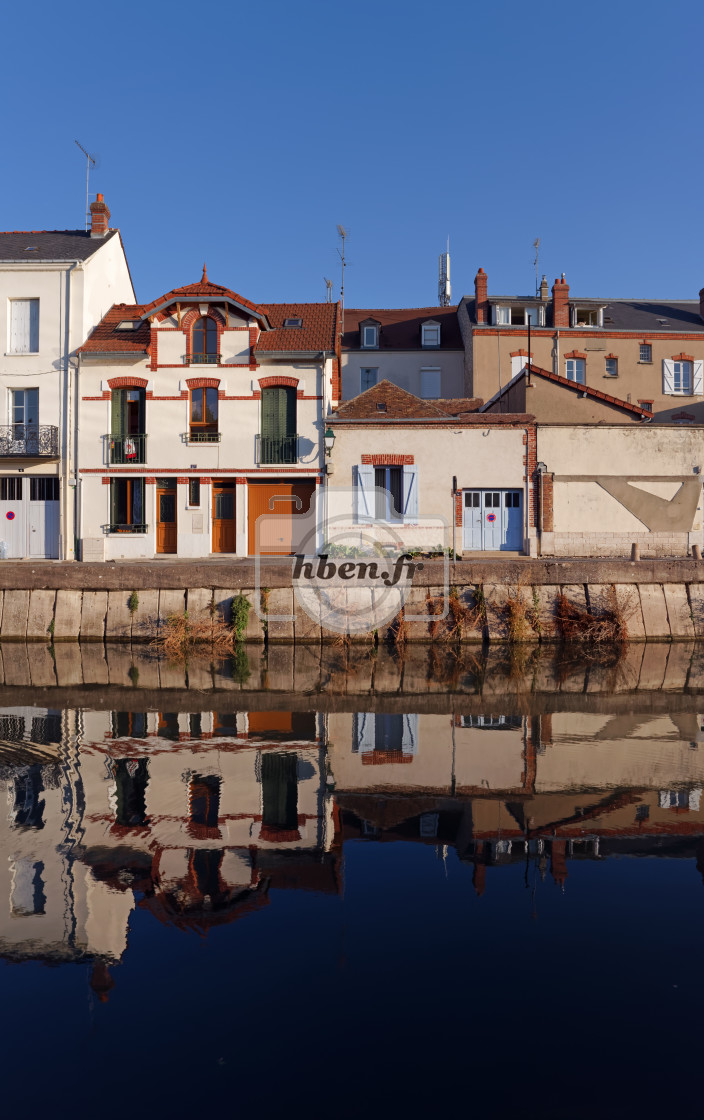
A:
x: 661, y: 600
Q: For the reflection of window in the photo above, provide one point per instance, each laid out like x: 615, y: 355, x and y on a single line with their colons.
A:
x: 488, y: 723
x: 385, y: 733
x: 279, y: 791
x: 129, y: 725
x: 282, y: 726
x: 28, y: 805
x: 429, y: 825
x: 204, y: 800
x: 204, y: 414
x: 168, y: 725
x: 131, y: 780
x: 642, y: 812
x: 195, y: 725
x: 679, y: 799
x: 225, y: 723
x: 27, y: 894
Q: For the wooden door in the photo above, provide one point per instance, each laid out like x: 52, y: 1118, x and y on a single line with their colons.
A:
x: 166, y: 519
x: 287, y: 500
x: 223, y: 517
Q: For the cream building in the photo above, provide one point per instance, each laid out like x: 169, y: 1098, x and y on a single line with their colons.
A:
x: 55, y: 286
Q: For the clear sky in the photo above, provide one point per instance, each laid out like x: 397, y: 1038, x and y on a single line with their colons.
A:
x: 241, y: 134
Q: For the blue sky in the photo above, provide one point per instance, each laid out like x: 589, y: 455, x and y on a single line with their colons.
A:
x: 242, y: 134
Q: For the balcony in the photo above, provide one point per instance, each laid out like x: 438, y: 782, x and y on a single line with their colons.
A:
x: 133, y: 527
x: 279, y: 450
x: 29, y: 441
x: 197, y: 435
x: 126, y: 450
x: 202, y: 359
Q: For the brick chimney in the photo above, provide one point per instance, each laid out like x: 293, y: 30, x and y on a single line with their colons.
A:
x: 481, y: 301
x: 99, y: 217
x: 701, y: 303
x: 544, y: 293
x: 560, y: 303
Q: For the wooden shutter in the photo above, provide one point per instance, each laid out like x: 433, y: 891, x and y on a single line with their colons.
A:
x: 410, y: 494
x: 697, y: 386
x: 429, y: 383
x: 364, y: 493
x: 668, y: 376
x: 118, y: 413
x: 19, y: 326
x: 33, y: 325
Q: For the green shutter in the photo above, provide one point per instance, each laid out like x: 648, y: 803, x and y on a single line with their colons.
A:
x: 118, y: 413
x: 269, y: 401
x: 278, y: 412
x: 280, y: 790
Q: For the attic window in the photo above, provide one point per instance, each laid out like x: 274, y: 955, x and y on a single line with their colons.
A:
x: 32, y: 249
x: 430, y: 334
x: 370, y: 336
x: 293, y: 322
x: 129, y: 324
x: 381, y: 407
x: 587, y: 317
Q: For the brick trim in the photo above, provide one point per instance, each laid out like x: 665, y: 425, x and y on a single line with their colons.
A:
x: 519, y: 354
x: 127, y: 383
x: 277, y: 381
x: 388, y: 460
x: 611, y: 357
x: 683, y: 416
x: 203, y: 382
x: 576, y: 354
x: 682, y: 358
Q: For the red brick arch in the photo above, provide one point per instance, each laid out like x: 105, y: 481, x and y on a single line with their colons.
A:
x: 203, y: 382
x: 576, y: 354
x: 190, y: 317
x: 682, y: 358
x: 127, y: 382
x: 274, y: 382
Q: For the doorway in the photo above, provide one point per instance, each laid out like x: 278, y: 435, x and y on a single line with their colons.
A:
x: 166, y: 526
x: 289, y: 510
x: 492, y: 521
x: 224, y: 516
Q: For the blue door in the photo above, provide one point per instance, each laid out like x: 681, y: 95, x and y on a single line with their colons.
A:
x: 492, y: 521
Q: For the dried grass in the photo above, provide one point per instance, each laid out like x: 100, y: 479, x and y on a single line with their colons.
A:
x: 605, y: 625
x: 181, y: 637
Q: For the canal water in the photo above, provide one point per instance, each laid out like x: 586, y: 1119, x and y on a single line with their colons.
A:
x: 229, y: 890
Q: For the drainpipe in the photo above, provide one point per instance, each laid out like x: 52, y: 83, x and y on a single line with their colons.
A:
x: 557, y: 354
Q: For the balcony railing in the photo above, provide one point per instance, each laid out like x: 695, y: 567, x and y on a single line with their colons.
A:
x: 203, y: 359
x: 120, y: 527
x: 282, y: 450
x: 197, y: 435
x: 127, y: 449
x: 29, y: 441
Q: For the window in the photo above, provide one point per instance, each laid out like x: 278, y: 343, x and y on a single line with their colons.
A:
x: 204, y: 342
x: 368, y: 378
x: 370, y: 337
x: 194, y: 491
x: 129, y: 324
x: 278, y: 441
x: 204, y: 415
x: 646, y: 404
x: 575, y: 370
x: 502, y: 316
x: 24, y: 326
x: 682, y: 377
x: 127, y: 505
x: 43, y: 489
x: 389, y: 493
x: 24, y: 406
x: 386, y: 493
x: 430, y: 334
x: 127, y: 426
x: 293, y: 322
x: 586, y: 317
x: 430, y: 383
x: 646, y: 352
x: 10, y: 489
x: 612, y: 367
x: 518, y: 316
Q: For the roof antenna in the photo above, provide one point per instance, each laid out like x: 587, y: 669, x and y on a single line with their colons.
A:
x: 91, y: 161
x: 328, y: 290
x: 536, y: 246
x: 341, y: 254
x: 444, y: 291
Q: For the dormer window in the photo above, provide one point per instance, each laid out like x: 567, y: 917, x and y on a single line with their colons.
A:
x: 587, y: 317
x: 517, y: 315
x: 430, y: 335
x: 370, y: 336
x: 204, y: 342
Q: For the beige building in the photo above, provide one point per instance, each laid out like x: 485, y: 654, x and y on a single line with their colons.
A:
x: 642, y: 351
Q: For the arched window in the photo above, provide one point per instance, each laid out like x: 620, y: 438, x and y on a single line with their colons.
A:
x: 204, y: 342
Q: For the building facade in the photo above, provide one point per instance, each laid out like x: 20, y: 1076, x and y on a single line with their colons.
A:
x: 55, y: 286
x: 200, y: 411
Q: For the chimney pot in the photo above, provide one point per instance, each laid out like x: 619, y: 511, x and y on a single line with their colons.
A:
x: 560, y: 303
x: 99, y: 217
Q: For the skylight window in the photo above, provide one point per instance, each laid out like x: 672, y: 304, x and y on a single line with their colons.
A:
x: 129, y: 324
x: 293, y: 322
x: 32, y: 249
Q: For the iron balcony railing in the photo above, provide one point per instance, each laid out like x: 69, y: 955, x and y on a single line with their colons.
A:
x: 29, y: 440
x: 203, y: 359
x: 127, y: 449
x: 127, y: 527
x: 197, y: 435
x: 281, y: 450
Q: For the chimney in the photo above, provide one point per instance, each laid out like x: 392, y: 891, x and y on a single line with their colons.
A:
x: 544, y: 291
x: 481, y: 301
x: 701, y: 303
x: 560, y: 303
x: 99, y: 217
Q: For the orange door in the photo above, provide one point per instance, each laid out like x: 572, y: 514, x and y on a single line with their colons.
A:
x: 166, y: 519
x: 223, y: 517
x: 281, y: 502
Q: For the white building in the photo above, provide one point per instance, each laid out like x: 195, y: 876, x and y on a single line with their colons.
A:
x: 55, y: 285
x: 199, y: 411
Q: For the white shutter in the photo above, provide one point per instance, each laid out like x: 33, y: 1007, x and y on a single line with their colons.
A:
x: 429, y: 383
x: 33, y: 325
x: 410, y: 494
x: 19, y: 326
x: 364, y: 493
x: 517, y: 364
x: 668, y: 376
x: 697, y: 386
x: 365, y: 732
x: 409, y: 734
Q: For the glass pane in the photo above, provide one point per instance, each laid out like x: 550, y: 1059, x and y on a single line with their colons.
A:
x: 396, y: 490
x: 167, y: 508
x: 197, y: 406
x: 211, y: 337
x: 211, y: 406
x: 198, y: 337
x: 224, y: 507
x: 137, y: 501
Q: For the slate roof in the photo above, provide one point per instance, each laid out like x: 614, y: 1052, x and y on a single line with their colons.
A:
x: 319, y: 331
x: 575, y: 386
x: 51, y: 244
x: 641, y: 315
x: 400, y: 327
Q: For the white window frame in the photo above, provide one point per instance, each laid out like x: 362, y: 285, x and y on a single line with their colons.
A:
x: 11, y: 405
x: 533, y: 312
x: 368, y: 369
x: 681, y: 378
x: 32, y: 339
x: 597, y: 312
x: 641, y: 346
x: 502, y: 315
x: 582, y: 367
x: 430, y: 370
x: 374, y: 331
x: 430, y: 329
x: 614, y: 363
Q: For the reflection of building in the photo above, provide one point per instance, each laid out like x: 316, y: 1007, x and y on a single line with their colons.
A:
x: 551, y: 788
x: 201, y: 814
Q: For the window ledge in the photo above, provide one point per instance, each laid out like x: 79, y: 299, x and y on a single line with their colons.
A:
x: 23, y: 354
x: 640, y: 362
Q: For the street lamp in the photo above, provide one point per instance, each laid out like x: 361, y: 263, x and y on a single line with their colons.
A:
x: 329, y: 441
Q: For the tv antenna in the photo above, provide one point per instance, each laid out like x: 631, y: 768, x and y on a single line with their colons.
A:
x: 328, y: 290
x: 341, y: 254
x: 91, y: 161
x: 536, y: 246
x: 444, y: 290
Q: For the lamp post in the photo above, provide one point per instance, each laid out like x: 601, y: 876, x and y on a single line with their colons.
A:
x: 329, y: 441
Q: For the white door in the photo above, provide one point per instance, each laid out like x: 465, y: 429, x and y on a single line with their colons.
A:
x: 13, y: 523
x: 44, y: 518
x: 512, y: 521
x: 491, y: 520
x: 472, y: 521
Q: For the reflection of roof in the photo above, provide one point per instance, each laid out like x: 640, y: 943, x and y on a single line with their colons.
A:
x: 195, y: 915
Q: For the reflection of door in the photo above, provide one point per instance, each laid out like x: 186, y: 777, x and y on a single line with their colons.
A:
x: 493, y: 520
x: 223, y: 517
x: 166, y: 517
x: 281, y: 503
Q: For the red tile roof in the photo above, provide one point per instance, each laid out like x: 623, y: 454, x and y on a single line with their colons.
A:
x: 576, y: 386
x: 318, y: 332
x: 400, y: 327
x: 203, y: 289
x: 107, y: 338
x: 400, y: 404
